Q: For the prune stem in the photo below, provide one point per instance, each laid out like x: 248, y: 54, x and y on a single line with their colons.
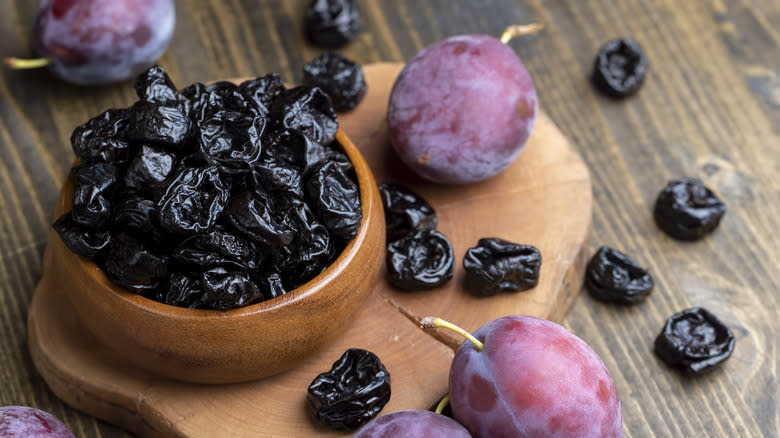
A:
x: 442, y: 404
x: 436, y: 322
x: 24, y: 64
x: 517, y: 30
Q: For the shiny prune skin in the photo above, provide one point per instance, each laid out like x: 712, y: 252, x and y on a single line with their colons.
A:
x: 335, y: 199
x: 694, y: 341
x: 306, y: 109
x: 405, y: 211
x: 296, y: 149
x: 228, y: 289
x: 421, y: 260
x: 218, y: 248
x: 92, y: 186
x: 355, y: 389
x: 260, y: 92
x: 620, y: 68
x: 95, y: 42
x: 332, y: 23
x: 496, y: 265
x: 231, y: 139
x: 149, y: 122
x: 687, y: 210
x: 149, y: 170
x: 614, y: 276
x: 136, y: 215
x: 154, y: 85
x: 193, y: 201
x: 256, y: 215
x: 183, y: 290
x: 339, y: 77
x: 81, y: 241
x: 102, y: 138
x: 133, y: 265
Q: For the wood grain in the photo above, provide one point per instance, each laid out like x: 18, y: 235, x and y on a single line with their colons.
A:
x: 82, y: 367
x: 710, y: 108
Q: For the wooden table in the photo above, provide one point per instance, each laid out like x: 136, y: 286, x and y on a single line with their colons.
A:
x: 710, y: 108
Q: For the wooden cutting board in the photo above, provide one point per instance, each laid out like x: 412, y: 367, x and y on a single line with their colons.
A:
x: 544, y: 199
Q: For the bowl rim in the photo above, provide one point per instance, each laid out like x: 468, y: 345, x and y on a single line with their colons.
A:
x: 311, y: 287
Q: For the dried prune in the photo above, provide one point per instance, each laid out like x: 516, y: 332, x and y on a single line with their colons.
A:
x: 184, y: 290
x: 102, y: 138
x: 306, y: 109
x: 137, y: 216
x: 620, y: 68
x: 92, y: 185
x: 405, y: 211
x: 496, y: 265
x: 225, y: 290
x: 132, y: 265
x: 332, y: 23
x: 353, y: 392
x: 270, y: 285
x: 614, y: 276
x: 230, y: 139
x: 218, y: 248
x: 694, y: 340
x: 297, y: 149
x: 272, y: 174
x: 148, y: 171
x: 193, y: 201
x: 159, y: 124
x: 338, y: 77
x: 260, y: 92
x: 309, y: 252
x: 81, y: 241
x: 154, y: 85
x: 335, y: 199
x: 255, y: 215
x: 687, y: 210
x: 420, y: 260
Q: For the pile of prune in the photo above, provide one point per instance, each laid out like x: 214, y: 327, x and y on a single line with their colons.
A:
x: 217, y: 196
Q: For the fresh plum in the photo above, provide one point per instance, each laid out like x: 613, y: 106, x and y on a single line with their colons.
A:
x: 532, y: 378
x: 413, y: 424
x: 92, y: 42
x: 462, y: 109
x: 27, y: 422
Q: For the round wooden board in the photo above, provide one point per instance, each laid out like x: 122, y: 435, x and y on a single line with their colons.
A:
x: 544, y: 199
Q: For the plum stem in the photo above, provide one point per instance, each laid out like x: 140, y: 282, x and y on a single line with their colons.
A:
x: 24, y: 64
x: 517, y: 30
x: 442, y: 404
x: 436, y: 322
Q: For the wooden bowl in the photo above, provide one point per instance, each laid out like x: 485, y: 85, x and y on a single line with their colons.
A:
x: 212, y: 346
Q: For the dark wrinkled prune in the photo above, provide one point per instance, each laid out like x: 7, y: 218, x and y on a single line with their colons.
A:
x: 149, y: 169
x: 497, y: 265
x: 184, y: 290
x: 341, y: 79
x: 355, y: 389
x: 694, y: 340
x: 306, y: 109
x: 132, y: 265
x: 81, y: 241
x: 309, y: 252
x: 297, y: 149
x: 137, y: 216
x: 332, y: 23
x: 274, y: 175
x: 620, y: 68
x: 92, y: 185
x: 231, y: 98
x: 614, y: 276
x: 405, y: 211
x: 102, y: 138
x: 260, y: 92
x: 687, y: 210
x: 218, y: 248
x: 159, y: 124
x: 154, y: 85
x: 420, y: 260
x: 335, y: 199
x: 193, y: 201
x: 225, y: 290
x: 270, y: 286
x: 256, y: 215
x: 231, y: 139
